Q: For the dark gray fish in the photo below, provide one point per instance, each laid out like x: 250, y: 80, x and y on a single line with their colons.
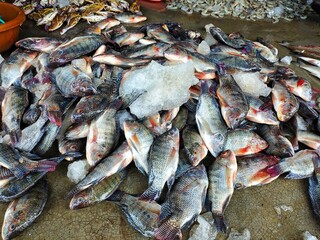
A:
x: 31, y: 115
x: 39, y: 44
x: 184, y: 203
x: 23, y: 211
x: 222, y: 37
x: 75, y: 48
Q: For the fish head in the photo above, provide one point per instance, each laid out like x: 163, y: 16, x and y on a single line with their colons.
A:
x: 176, y: 54
x: 83, y: 87
x: 197, y: 152
x: 13, y: 224
x: 131, y: 126
x: 67, y: 146
x: 80, y: 200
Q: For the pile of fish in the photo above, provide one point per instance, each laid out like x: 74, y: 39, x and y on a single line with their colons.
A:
x: 308, y: 54
x: 246, y: 121
x: 249, y: 10
x: 53, y: 14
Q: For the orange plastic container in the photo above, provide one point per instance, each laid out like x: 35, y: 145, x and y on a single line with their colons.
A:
x: 9, y: 32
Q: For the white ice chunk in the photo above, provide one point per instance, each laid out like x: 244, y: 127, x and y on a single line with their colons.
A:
x: 210, y: 40
x: 205, y: 229
x: 122, y: 116
x: 250, y: 83
x: 1, y: 59
x: 286, y: 60
x: 203, y: 48
x: 161, y: 87
x: 284, y: 208
x: 78, y: 170
x: 308, y: 236
x: 235, y: 235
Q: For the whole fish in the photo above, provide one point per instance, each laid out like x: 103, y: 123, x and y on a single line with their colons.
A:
x: 39, y: 44
x: 221, y: 174
x: 278, y: 145
x: 13, y: 68
x: 20, y: 165
x: 315, y: 62
x: 106, y: 24
x: 89, y: 107
x: 252, y: 170
x: 13, y: 105
x: 315, y: 71
x: 103, y: 135
x: 259, y: 113
x: 233, y: 103
x: 142, y: 215
x: 140, y: 140
x: 210, y: 124
x: 127, y: 38
x: 23, y: 211
x: 56, y: 22
x: 307, y: 50
x: 244, y: 142
x: 153, y: 50
x: 194, y: 146
x: 222, y: 37
x: 75, y: 48
x: 120, y: 61
x: 78, y: 130
x: 99, y: 192
x: 183, y: 204
x: 298, y: 86
x: 159, y: 33
x: 163, y: 162
x: 128, y: 17
x: 284, y: 102
x: 301, y: 165
x: 48, y: 17
x: 108, y: 166
x: 310, y: 139
x: 72, y: 82
x: 261, y: 51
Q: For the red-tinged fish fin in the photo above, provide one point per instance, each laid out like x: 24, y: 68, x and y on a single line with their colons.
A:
x: 243, y: 151
x: 55, y: 117
x: 300, y: 82
x: 168, y: 230
x: 262, y: 174
x: 219, y: 222
x: 41, y: 166
x: 150, y: 194
x: 274, y: 171
x: 266, y: 106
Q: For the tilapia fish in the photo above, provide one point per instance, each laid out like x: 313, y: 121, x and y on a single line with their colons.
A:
x: 99, y: 192
x: 284, y: 102
x: 23, y: 211
x: 210, y: 124
x: 244, y: 142
x: 301, y: 165
x: 233, y: 104
x: 221, y: 174
x: 222, y: 37
x: 140, y: 140
x: 13, y: 105
x: 142, y: 215
x: 118, y: 60
x: 194, y: 146
x: 39, y: 44
x: 75, y: 48
x: 183, y: 204
x: 252, y: 170
x: 163, y: 163
x: 108, y: 166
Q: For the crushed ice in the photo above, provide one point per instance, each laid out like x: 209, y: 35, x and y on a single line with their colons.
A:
x: 205, y: 229
x: 235, y: 235
x: 77, y: 170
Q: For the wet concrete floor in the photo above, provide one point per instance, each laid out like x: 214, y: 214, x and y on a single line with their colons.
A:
x: 251, y: 208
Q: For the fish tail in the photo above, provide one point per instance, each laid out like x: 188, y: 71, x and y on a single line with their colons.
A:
x: 42, y: 166
x: 219, y: 222
x: 116, y: 196
x: 274, y: 171
x: 168, y: 230
x: 150, y: 194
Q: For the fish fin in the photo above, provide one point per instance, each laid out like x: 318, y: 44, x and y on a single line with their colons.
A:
x: 170, y: 182
x: 40, y: 166
x: 169, y: 230
x: 150, y: 194
x: 219, y: 222
x: 266, y: 106
x: 55, y: 117
x: 296, y: 176
x: 165, y: 211
x: 116, y: 196
x: 274, y: 170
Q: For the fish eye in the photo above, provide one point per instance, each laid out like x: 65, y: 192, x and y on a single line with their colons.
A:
x: 238, y: 185
x: 12, y: 227
x: 82, y: 89
x: 80, y: 200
